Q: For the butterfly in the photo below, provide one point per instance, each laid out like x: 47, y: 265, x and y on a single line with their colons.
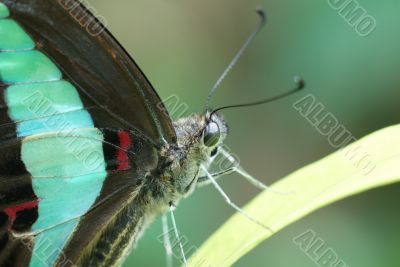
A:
x: 90, y: 156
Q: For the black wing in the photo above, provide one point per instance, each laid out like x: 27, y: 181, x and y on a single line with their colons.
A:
x: 104, y: 73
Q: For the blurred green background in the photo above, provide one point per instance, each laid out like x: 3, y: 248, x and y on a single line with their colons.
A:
x: 183, y: 46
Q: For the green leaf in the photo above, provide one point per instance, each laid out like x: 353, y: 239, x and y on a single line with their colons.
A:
x: 368, y: 163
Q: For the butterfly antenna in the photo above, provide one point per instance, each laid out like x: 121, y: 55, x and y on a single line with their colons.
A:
x: 300, y: 84
x: 167, y: 241
x: 233, y: 205
x: 263, y: 20
x: 171, y: 209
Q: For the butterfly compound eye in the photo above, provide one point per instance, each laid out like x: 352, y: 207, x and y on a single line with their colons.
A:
x: 211, y: 134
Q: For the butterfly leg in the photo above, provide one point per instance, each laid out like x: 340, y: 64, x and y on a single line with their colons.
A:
x: 172, y: 208
x: 167, y: 241
x: 249, y: 177
x: 204, y: 180
x: 232, y: 204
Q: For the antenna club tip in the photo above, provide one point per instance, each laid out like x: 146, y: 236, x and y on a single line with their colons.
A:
x: 301, y: 83
x: 263, y: 15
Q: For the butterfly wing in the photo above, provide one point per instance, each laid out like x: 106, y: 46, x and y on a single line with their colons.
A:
x: 95, y: 62
x: 80, y: 126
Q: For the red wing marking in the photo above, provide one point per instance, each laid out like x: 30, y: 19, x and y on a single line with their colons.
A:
x: 12, y: 211
x: 122, y: 156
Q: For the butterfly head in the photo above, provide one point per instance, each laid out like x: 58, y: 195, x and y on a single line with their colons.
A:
x: 198, y: 140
